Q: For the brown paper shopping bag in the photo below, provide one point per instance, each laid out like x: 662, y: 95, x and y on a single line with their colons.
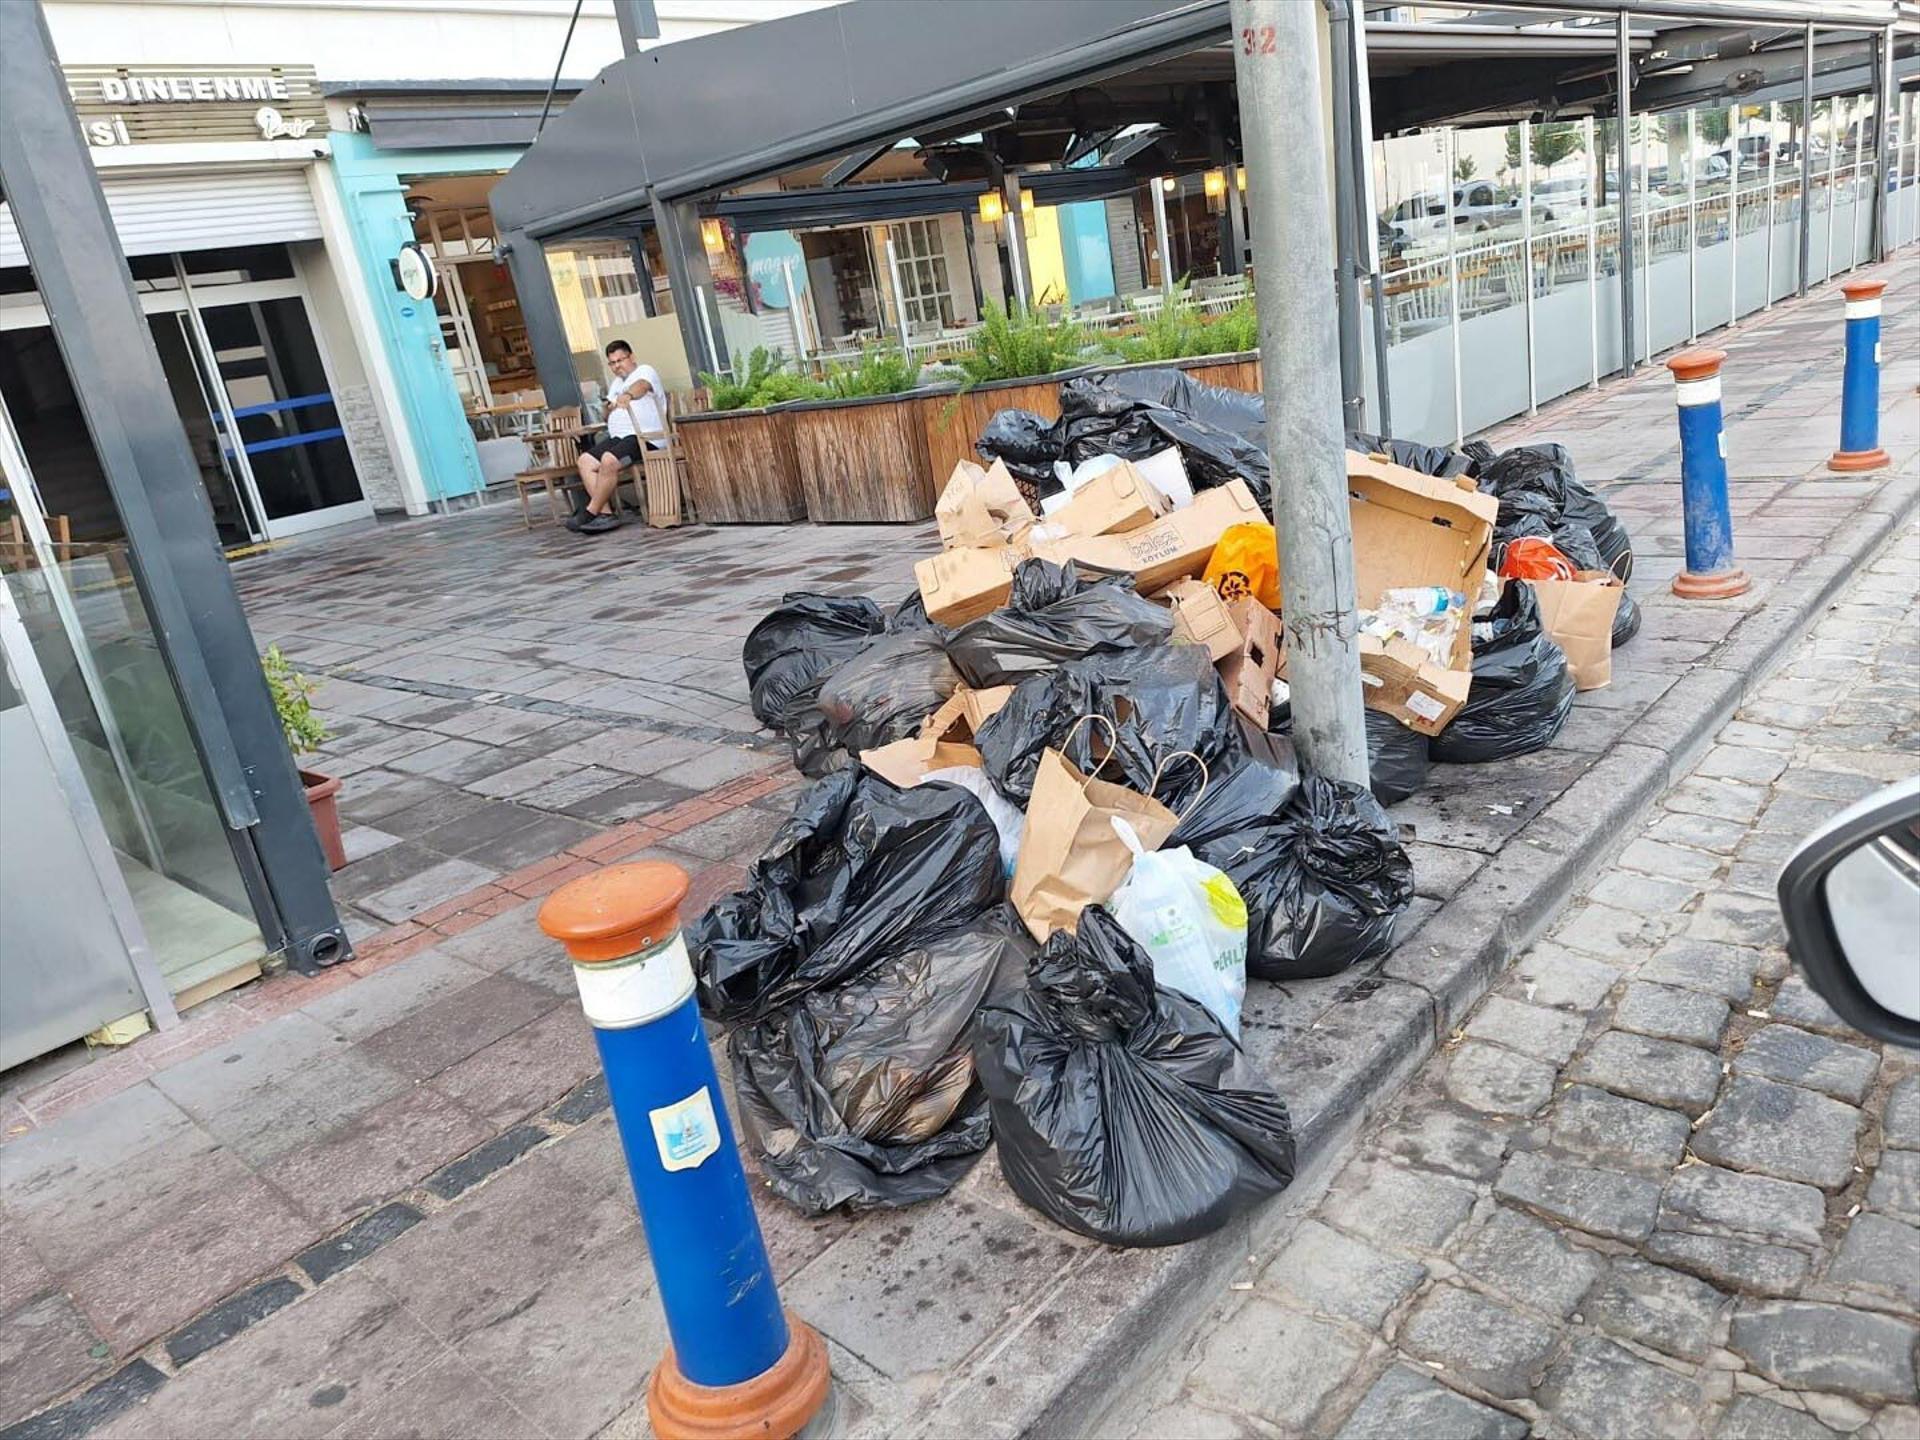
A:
x: 1579, y: 614
x: 1070, y: 855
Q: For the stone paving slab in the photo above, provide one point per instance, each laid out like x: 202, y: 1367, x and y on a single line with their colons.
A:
x: 1035, y: 1342
x: 1701, y: 1259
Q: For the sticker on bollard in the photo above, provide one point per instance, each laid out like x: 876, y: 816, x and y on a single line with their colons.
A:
x: 738, y: 1365
x: 1860, y: 386
x: 1710, y: 573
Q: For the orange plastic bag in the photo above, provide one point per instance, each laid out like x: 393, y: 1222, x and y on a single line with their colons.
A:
x: 1531, y: 558
x: 1246, y: 561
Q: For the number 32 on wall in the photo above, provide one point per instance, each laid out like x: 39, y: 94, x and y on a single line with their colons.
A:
x: 1257, y: 40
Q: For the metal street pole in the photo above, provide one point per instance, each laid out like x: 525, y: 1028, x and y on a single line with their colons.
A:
x: 1806, y: 159
x: 1623, y: 122
x: 1284, y: 142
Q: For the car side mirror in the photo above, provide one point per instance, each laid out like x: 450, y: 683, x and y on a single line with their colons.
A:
x: 1850, y: 896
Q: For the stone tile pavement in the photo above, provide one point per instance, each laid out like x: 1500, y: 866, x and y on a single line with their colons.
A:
x: 387, y: 1194
x: 1652, y: 1186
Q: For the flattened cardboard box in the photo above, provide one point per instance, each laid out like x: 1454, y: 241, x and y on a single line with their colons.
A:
x: 981, y: 507
x: 1250, y: 671
x: 1171, y: 548
x: 962, y: 585
x: 906, y: 762
x: 1111, y: 503
x: 1411, y: 529
x: 1201, y: 617
x: 964, y: 712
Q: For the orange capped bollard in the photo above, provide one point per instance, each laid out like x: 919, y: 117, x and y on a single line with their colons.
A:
x: 1710, y: 573
x: 739, y: 1367
x: 1860, y: 385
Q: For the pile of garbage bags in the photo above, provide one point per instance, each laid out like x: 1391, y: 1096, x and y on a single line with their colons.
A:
x: 1076, y: 747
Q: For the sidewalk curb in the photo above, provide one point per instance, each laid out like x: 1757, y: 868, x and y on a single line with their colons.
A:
x: 1449, y: 963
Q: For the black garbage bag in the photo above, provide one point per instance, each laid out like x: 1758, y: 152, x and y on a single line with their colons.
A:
x: 1522, y: 690
x: 1220, y: 433
x: 880, y: 695
x: 1121, y: 1109
x: 1539, y: 479
x: 1396, y: 755
x: 1027, y: 443
x: 1436, y: 460
x: 863, y: 1095
x: 1162, y: 699
x: 1325, y: 887
x: 1243, y: 805
x: 860, y: 871
x: 1052, y: 617
x: 1396, y: 758
x: 909, y: 614
x: 797, y: 644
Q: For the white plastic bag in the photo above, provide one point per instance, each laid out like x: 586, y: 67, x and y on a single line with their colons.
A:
x: 1191, y: 920
x: 1007, y: 817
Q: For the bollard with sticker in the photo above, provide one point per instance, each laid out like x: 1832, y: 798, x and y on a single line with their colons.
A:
x: 739, y: 1365
x: 1860, y: 385
x: 1710, y: 573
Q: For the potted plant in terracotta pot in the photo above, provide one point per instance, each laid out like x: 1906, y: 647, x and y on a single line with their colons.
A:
x: 293, y: 700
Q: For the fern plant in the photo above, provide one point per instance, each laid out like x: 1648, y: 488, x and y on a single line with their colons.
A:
x: 293, y: 702
x: 1167, y: 334
x: 883, y: 370
x: 1018, y: 343
x: 1235, y: 331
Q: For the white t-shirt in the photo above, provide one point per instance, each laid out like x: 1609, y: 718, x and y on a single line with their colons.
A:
x: 646, y: 408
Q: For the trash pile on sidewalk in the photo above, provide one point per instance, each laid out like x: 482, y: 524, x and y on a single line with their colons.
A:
x: 1056, y: 819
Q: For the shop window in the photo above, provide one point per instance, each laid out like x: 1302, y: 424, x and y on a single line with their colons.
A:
x: 924, y: 276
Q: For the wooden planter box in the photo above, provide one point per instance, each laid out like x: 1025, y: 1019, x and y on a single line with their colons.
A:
x: 953, y: 420
x: 863, y: 460
x: 1234, y: 372
x: 741, y: 466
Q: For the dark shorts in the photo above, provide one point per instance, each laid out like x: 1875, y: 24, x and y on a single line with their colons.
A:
x: 626, y: 447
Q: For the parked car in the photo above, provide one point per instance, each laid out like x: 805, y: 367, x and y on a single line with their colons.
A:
x: 1477, y: 205
x: 1850, y: 897
x: 1555, y: 201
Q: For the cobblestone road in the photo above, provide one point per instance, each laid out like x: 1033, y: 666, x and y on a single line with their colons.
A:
x: 1653, y: 1186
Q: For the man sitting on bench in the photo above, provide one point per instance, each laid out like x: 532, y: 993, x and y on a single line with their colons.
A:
x: 633, y: 409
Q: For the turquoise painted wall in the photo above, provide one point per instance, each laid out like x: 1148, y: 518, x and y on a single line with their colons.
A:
x: 373, y: 195
x: 1086, y: 251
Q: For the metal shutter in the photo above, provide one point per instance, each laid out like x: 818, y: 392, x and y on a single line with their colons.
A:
x: 156, y: 214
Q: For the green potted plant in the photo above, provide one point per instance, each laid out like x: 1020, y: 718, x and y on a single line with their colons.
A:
x: 293, y: 702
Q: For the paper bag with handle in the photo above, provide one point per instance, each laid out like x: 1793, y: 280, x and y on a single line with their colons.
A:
x: 1578, y: 614
x: 1070, y: 855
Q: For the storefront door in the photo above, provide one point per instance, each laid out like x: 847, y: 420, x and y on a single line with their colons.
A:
x: 242, y: 360
x: 277, y: 397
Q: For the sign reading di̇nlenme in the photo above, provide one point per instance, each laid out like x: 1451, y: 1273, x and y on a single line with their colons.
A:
x: 122, y: 105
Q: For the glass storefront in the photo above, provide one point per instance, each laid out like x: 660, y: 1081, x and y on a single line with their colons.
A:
x: 113, y: 776
x: 1501, y: 256
x: 241, y: 360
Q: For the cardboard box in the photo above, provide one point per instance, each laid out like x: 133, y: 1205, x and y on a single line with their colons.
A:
x: 1411, y: 529
x: 962, y: 585
x: 1201, y: 617
x: 1172, y: 547
x: 1250, y: 671
x: 1111, y: 503
x: 907, y: 762
x: 965, y: 712
x: 981, y: 508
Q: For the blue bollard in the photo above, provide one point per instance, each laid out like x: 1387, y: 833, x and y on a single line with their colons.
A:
x: 1860, y: 390
x: 738, y: 1366
x: 1711, y: 573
